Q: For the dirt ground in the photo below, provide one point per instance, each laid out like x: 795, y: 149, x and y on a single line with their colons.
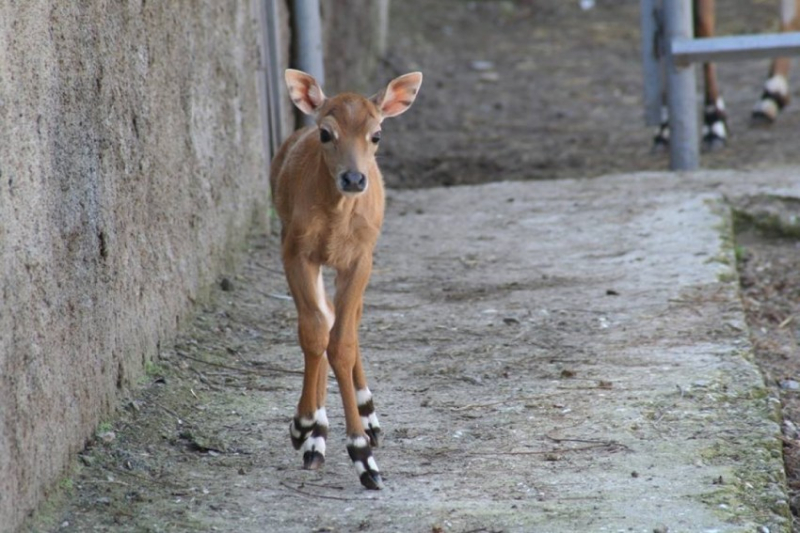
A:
x: 768, y: 254
x: 532, y: 89
x: 540, y: 89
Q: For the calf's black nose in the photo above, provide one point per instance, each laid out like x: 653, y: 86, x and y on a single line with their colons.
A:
x: 352, y: 181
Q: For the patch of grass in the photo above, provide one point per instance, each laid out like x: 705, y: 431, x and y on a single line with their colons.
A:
x: 740, y: 252
x: 66, y: 484
x: 152, y: 369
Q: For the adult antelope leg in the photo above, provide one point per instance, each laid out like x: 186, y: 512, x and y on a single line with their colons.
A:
x: 345, y: 359
x: 715, y: 128
x: 309, y: 428
x: 775, y: 95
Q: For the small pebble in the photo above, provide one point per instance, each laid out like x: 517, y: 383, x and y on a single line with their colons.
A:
x: 107, y: 437
x: 481, y: 65
x: 789, y: 430
x: 789, y: 384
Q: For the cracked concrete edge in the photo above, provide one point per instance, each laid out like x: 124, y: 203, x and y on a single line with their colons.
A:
x: 757, y: 486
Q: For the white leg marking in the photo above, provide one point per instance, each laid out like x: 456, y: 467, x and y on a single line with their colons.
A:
x: 314, y: 444
x: 357, y: 442
x: 321, y: 417
x: 777, y: 84
x: 766, y: 107
x: 370, y: 421
x: 306, y: 423
x: 322, y: 301
x: 372, y: 464
x: 363, y: 396
x: 718, y: 129
x: 294, y: 431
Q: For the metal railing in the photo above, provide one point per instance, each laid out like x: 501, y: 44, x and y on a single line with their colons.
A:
x: 668, y: 53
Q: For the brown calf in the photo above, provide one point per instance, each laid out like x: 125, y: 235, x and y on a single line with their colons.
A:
x: 328, y: 192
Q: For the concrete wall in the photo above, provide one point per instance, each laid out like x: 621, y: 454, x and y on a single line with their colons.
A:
x: 130, y: 168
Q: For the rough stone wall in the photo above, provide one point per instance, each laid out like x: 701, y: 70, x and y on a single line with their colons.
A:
x: 131, y: 167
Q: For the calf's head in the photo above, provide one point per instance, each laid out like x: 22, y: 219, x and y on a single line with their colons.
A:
x: 350, y: 125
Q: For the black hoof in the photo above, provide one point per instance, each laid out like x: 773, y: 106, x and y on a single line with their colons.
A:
x: 761, y: 119
x: 372, y: 480
x: 660, y: 145
x: 361, y: 454
x: 712, y: 143
x: 313, y: 460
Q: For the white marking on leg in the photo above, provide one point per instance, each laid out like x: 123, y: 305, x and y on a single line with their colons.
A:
x: 314, y: 444
x: 296, y: 433
x: 363, y: 396
x: 370, y: 421
x: 777, y: 84
x: 718, y: 129
x: 322, y: 301
x: 321, y: 417
x: 357, y: 442
x: 306, y: 423
x: 766, y: 107
x: 360, y: 468
x: 372, y: 464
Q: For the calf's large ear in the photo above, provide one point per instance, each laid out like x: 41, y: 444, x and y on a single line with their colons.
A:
x: 398, y: 96
x: 304, y: 91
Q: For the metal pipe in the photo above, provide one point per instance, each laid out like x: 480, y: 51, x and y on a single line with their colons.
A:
x: 734, y: 47
x: 308, y: 41
x: 651, y: 66
x: 684, y: 146
x: 275, y: 75
x: 263, y: 80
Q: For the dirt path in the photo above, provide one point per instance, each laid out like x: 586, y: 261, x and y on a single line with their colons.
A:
x: 541, y: 360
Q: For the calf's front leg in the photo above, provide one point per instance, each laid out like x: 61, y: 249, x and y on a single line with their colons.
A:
x: 345, y: 360
x: 309, y: 427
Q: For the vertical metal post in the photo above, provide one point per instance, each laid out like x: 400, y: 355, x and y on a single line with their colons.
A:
x: 263, y: 79
x: 684, y: 146
x: 650, y: 13
x: 275, y: 75
x: 308, y: 41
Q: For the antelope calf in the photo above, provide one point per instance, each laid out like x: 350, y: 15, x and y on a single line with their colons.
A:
x: 328, y: 192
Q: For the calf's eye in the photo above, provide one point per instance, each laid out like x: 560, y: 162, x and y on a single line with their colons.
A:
x: 376, y: 137
x: 325, y: 136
